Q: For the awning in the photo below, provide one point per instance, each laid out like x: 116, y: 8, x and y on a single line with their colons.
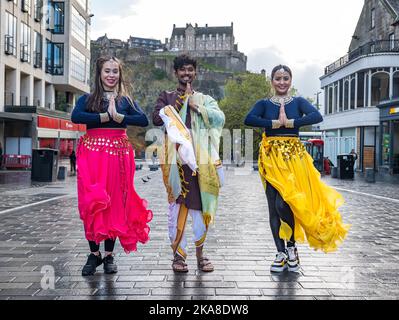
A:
x: 7, y: 116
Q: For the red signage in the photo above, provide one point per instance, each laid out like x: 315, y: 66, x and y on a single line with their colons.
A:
x: 55, y: 123
x: 68, y: 125
x: 46, y: 122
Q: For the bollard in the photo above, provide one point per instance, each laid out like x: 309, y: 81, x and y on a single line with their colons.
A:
x: 61, y: 173
x: 370, y: 175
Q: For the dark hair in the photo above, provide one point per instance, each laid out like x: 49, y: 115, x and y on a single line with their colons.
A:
x: 279, y: 67
x: 183, y: 60
x: 94, y: 101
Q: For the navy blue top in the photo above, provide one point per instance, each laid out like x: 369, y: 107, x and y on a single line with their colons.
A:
x: 299, y: 109
x: 134, y: 116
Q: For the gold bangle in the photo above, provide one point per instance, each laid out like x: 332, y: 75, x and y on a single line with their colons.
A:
x: 104, y: 117
x: 119, y: 117
x: 290, y: 124
x: 276, y: 124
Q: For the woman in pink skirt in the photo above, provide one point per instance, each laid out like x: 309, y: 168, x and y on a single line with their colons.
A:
x: 108, y: 203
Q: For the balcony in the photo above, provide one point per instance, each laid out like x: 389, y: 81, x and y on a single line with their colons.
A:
x: 25, y: 54
x: 373, y: 47
x: 9, y: 46
x: 54, y: 69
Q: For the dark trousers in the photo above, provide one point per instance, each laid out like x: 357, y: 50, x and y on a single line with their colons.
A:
x: 109, y: 245
x: 279, y: 210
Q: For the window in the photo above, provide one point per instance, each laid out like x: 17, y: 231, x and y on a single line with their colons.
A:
x: 203, y: 37
x: 360, y: 90
x: 78, y: 26
x: 395, y: 85
x: 59, y: 17
x: 78, y: 64
x: 55, y: 58
x: 386, y: 143
x: 372, y: 18
x: 10, y: 46
x: 392, y: 41
x: 330, y: 100
x: 210, y: 37
x: 37, y: 50
x: 346, y: 95
x: 336, y: 102
x: 353, y: 93
x: 341, y: 96
x: 25, y: 43
x: 25, y: 6
x: 379, y: 88
x: 38, y: 13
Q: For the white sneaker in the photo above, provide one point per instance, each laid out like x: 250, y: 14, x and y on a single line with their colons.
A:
x: 293, y: 259
x: 280, y: 263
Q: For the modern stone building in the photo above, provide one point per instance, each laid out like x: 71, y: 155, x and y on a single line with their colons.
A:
x: 44, y: 67
x: 215, y: 44
x: 362, y: 89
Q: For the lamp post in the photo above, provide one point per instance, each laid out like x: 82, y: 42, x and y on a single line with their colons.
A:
x: 317, y: 99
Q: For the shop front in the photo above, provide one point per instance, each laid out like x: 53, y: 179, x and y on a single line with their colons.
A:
x: 389, y: 138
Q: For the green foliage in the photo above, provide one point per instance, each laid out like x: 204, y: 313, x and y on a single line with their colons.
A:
x: 241, y: 93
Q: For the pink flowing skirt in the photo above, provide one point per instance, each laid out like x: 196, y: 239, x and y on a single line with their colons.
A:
x: 108, y: 203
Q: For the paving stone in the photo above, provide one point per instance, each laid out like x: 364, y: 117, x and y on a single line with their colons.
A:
x: 239, y: 245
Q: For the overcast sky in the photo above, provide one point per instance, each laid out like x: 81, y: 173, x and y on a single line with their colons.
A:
x: 306, y: 35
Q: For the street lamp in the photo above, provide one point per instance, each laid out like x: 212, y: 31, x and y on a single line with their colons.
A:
x: 317, y: 99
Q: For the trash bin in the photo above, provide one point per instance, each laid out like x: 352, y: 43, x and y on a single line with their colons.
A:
x: 345, y: 164
x: 61, y: 173
x: 370, y: 175
x: 44, y: 165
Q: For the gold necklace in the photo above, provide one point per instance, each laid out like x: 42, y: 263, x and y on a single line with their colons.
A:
x: 278, y: 100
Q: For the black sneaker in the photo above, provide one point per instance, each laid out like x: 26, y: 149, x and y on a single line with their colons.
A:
x: 109, y: 265
x: 92, y: 263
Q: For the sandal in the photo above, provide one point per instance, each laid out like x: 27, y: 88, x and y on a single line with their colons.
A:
x: 179, y: 265
x: 205, y: 265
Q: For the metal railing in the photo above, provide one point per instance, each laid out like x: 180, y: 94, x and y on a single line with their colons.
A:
x: 372, y: 47
x: 25, y: 54
x: 9, y: 45
x: 23, y: 101
x: 9, y: 98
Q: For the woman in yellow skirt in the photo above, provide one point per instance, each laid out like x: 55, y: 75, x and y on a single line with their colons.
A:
x: 301, y: 206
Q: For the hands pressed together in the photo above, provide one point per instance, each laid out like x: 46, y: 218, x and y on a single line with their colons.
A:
x: 112, y: 113
x: 283, y: 121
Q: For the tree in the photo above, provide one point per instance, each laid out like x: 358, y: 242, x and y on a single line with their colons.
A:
x: 241, y: 93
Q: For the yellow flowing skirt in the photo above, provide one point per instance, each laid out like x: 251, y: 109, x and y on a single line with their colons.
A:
x: 285, y: 164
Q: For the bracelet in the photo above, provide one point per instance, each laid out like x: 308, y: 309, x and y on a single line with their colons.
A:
x: 119, y: 118
x: 276, y: 124
x: 104, y: 117
x: 290, y: 124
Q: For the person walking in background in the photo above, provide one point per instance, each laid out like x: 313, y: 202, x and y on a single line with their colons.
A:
x: 108, y: 203
x: 72, y: 160
x: 300, y: 204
